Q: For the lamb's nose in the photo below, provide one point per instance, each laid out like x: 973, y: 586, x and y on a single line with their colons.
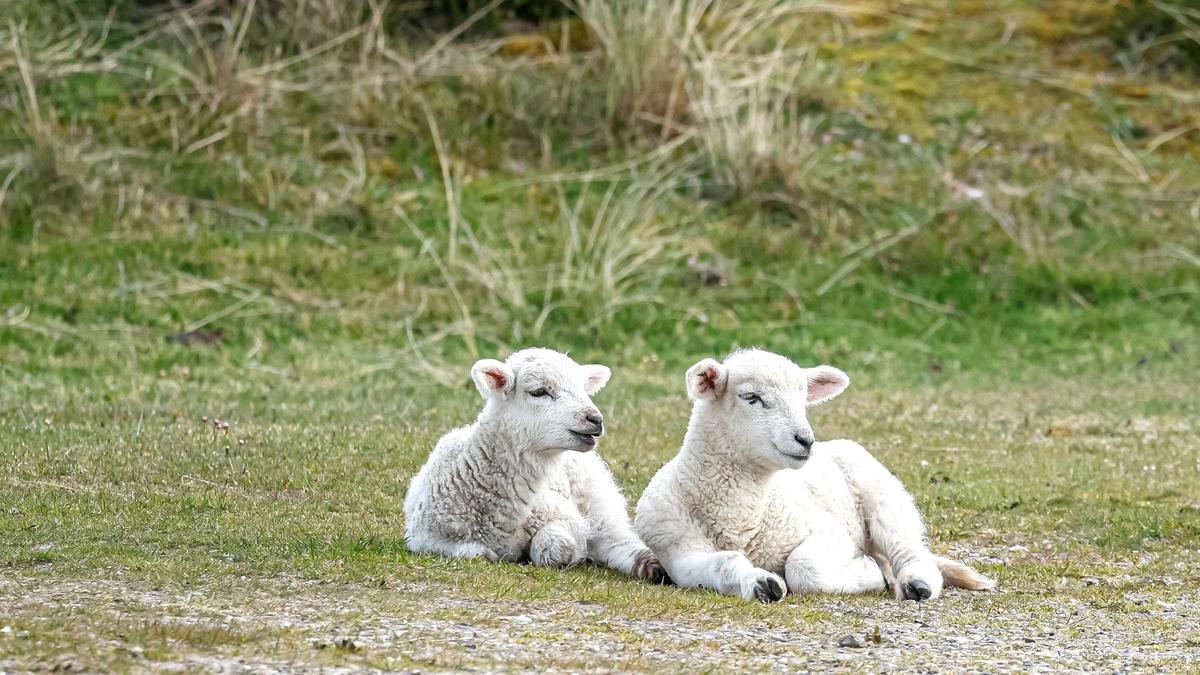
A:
x: 804, y: 441
x: 598, y: 420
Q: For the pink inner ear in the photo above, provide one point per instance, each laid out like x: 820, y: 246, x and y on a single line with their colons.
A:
x: 824, y: 386
x: 708, y: 380
x: 497, y: 377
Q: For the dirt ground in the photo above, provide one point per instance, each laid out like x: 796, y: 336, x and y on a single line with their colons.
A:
x: 1124, y: 622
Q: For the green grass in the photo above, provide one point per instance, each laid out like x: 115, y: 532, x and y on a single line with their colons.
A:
x: 363, y: 211
x: 132, y: 499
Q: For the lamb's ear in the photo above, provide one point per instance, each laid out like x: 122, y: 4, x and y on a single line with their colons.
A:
x: 596, y: 377
x: 825, y: 382
x: 706, y: 380
x: 493, y: 379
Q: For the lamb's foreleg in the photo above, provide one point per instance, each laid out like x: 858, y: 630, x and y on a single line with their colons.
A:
x: 727, y: 572
x: 693, y: 562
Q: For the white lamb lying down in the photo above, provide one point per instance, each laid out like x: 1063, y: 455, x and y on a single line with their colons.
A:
x: 752, y: 507
x: 523, y: 483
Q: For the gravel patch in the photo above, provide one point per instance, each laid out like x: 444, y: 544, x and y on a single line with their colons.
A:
x: 300, y: 626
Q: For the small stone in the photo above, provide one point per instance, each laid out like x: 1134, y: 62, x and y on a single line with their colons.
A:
x: 522, y: 620
x: 850, y: 641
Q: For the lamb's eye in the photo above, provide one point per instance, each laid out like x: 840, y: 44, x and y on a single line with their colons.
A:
x: 540, y: 392
x: 753, y: 399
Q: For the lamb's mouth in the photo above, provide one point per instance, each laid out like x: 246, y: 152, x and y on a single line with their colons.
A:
x: 587, y: 439
x: 801, y: 456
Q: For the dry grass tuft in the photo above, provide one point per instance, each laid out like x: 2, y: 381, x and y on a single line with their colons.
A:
x: 755, y: 135
x: 645, y: 55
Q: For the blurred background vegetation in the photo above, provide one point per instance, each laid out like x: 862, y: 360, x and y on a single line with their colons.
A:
x: 356, y: 187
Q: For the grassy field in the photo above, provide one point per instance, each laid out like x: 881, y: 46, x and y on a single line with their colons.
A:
x: 307, y: 219
x: 135, y: 538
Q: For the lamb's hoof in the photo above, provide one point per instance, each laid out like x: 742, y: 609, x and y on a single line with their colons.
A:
x: 657, y: 575
x: 917, y: 590
x: 649, y: 568
x: 767, y: 590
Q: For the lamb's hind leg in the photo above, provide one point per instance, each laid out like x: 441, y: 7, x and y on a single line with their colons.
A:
x: 829, y: 562
x: 612, y: 542
x: 426, y: 543
x: 894, y: 527
x: 559, y: 543
x: 559, y: 532
x: 898, y: 535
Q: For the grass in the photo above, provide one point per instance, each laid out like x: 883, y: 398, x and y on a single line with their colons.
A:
x: 361, y: 208
x: 1077, y: 492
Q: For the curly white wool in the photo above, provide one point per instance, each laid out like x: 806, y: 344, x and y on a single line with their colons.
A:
x: 522, y: 482
x: 735, y: 512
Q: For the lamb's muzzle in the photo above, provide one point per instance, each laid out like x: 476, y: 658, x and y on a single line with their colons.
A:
x: 805, y: 450
x: 587, y: 437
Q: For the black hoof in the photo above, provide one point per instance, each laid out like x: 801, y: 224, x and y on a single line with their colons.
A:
x: 768, y: 590
x: 917, y: 590
x: 658, y: 575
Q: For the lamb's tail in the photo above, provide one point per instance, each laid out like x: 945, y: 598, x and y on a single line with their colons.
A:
x: 959, y: 575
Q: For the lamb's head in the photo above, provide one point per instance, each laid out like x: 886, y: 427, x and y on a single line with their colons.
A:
x: 760, y: 399
x: 545, y: 397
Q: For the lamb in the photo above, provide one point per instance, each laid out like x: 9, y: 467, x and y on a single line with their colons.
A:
x: 751, y: 506
x: 523, y: 483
